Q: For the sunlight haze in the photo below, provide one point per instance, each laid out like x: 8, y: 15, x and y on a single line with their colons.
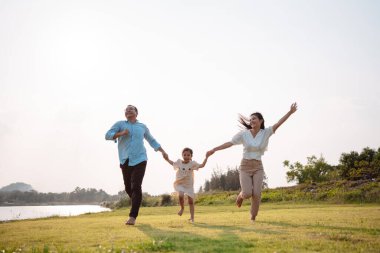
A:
x: 68, y: 69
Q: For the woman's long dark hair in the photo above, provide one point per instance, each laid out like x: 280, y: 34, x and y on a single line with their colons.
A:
x: 245, y: 121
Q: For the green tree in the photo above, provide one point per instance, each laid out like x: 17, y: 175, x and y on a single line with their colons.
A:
x: 215, y: 182
x: 265, y: 182
x: 355, y: 166
x: 315, y: 170
x: 166, y: 200
x: 232, y: 180
x: 207, y: 186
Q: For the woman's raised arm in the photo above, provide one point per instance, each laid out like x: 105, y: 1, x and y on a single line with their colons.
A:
x: 293, y: 109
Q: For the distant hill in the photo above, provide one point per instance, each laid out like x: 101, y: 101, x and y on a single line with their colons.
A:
x: 17, y: 187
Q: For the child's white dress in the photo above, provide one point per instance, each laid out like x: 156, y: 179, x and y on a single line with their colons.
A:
x: 184, y: 181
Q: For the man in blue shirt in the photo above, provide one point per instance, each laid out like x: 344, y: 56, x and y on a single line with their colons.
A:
x: 130, y: 135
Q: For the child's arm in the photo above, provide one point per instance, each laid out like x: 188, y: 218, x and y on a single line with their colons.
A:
x: 204, y: 162
x: 169, y: 161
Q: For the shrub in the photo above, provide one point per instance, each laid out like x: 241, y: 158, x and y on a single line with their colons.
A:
x: 166, y: 200
x: 124, y: 202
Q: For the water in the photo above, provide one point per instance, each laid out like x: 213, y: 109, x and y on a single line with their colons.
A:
x: 31, y: 212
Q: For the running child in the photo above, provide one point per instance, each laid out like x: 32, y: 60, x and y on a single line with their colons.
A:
x: 184, y: 183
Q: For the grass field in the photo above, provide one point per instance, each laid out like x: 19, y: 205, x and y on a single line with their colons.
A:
x: 279, y: 228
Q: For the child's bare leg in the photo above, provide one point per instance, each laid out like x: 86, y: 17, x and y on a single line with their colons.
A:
x: 181, y: 203
x: 191, y: 206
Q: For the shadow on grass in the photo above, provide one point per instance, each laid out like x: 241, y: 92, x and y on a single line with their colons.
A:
x: 370, y: 231
x: 180, y: 241
x: 233, y: 229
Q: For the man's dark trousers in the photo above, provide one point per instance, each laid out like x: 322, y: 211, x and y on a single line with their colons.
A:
x: 133, y: 177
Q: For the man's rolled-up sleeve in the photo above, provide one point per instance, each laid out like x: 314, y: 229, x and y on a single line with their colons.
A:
x: 111, y: 133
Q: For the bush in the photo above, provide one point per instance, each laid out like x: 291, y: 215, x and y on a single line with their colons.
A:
x: 124, y: 202
x: 149, y: 200
x: 166, y: 200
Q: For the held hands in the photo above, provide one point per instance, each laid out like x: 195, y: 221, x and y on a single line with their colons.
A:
x: 165, y: 156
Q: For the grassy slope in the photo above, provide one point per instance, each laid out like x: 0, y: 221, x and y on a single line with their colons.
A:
x: 279, y: 228
x: 332, y: 192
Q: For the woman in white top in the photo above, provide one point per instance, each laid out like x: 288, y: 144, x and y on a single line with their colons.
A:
x: 255, y: 140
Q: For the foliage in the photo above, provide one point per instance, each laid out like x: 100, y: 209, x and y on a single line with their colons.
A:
x: 352, y: 166
x: 363, y: 191
x: 166, y: 200
x: 223, y: 181
x: 316, y: 170
x: 147, y: 201
x: 355, y: 166
x: 216, y: 198
x: 343, y: 191
x: 228, y: 181
x: 79, y: 195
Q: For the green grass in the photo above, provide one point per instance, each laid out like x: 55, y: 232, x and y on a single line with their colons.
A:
x: 334, y: 192
x: 279, y: 228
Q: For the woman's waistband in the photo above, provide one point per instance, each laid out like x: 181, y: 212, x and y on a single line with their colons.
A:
x: 251, y: 160
x: 251, y: 164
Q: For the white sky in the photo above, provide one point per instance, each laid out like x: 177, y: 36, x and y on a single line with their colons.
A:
x: 69, y: 68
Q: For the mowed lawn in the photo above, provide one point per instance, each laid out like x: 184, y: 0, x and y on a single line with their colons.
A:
x: 279, y: 228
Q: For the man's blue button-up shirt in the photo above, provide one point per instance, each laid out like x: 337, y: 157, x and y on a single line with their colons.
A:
x: 131, y: 146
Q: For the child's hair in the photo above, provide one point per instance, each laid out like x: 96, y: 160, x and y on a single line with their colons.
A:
x: 187, y: 149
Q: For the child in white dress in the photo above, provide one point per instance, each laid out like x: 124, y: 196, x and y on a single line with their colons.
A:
x: 184, y: 183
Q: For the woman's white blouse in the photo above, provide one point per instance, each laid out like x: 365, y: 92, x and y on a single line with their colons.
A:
x: 254, y: 147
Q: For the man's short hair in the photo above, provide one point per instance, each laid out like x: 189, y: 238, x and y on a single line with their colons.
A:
x: 134, y: 107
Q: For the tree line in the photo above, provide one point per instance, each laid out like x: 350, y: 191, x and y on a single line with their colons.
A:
x: 353, y: 166
x: 79, y: 195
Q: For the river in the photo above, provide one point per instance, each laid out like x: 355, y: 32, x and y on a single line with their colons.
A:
x: 8, y: 213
